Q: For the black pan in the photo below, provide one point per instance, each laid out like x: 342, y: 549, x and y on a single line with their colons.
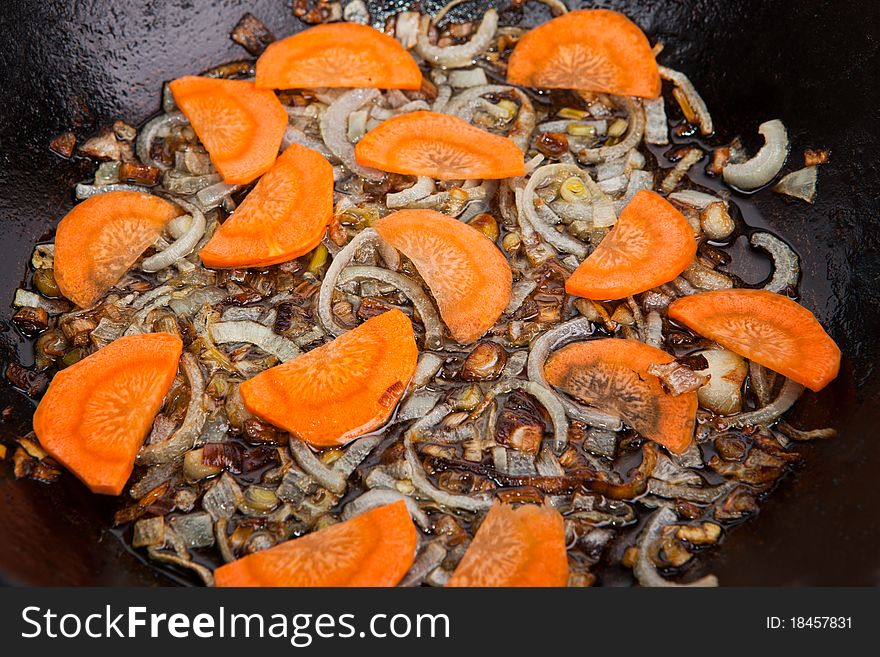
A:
x: 812, y: 64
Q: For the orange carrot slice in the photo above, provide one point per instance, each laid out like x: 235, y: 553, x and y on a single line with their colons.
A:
x: 375, y: 548
x: 338, y: 55
x: 440, y: 146
x: 522, y: 546
x: 651, y: 244
x: 240, y: 125
x: 341, y: 390
x: 96, y: 413
x: 99, y: 240
x: 612, y: 373
x: 588, y: 49
x: 768, y: 328
x: 467, y: 274
x: 283, y: 217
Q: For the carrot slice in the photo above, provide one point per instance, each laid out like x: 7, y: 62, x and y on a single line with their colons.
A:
x: 99, y: 240
x: 240, y: 125
x: 522, y: 546
x: 768, y: 328
x: 338, y: 55
x: 588, y: 49
x: 283, y: 217
x: 341, y: 390
x: 467, y: 274
x: 440, y: 146
x: 613, y: 373
x: 651, y: 244
x: 96, y: 413
x: 375, y: 548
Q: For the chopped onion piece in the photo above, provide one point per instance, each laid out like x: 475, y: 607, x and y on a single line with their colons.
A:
x: 788, y: 395
x: 183, y: 245
x: 799, y: 184
x: 151, y: 130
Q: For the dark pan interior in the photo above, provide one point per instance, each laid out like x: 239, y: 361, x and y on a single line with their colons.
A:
x: 813, y: 64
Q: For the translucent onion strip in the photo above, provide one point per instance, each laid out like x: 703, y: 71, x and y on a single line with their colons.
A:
x: 461, y: 55
x: 334, y: 129
x: 421, y: 302
x: 254, y: 333
x: 786, y: 268
x: 183, y: 245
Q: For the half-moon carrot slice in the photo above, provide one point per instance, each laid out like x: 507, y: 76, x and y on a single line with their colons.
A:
x: 99, y: 240
x: 283, y: 217
x: 338, y: 55
x: 96, y: 413
x: 467, y: 274
x: 341, y: 390
x: 439, y: 146
x: 375, y: 548
x: 588, y: 49
x: 240, y: 125
x: 651, y: 244
x: 522, y: 546
x: 768, y: 328
x: 612, y: 373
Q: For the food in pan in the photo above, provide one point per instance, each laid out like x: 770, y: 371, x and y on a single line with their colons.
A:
x: 434, y: 304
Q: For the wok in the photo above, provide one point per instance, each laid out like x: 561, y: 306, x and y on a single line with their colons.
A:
x: 81, y: 65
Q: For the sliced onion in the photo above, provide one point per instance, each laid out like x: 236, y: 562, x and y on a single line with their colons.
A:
x: 656, y: 126
x: 294, y: 135
x: 466, y: 104
x: 638, y: 180
x: 706, y: 278
x: 555, y: 338
x: 213, y: 196
x: 680, y: 170
x: 417, y: 405
x: 421, y: 302
x: 355, y: 453
x: 644, y: 569
x: 694, y: 199
x: 422, y: 188
x: 461, y: 55
x: 367, y: 237
x: 654, y: 330
x: 788, y: 395
x: 151, y: 130
x: 428, y: 560
x: 521, y: 290
x: 636, y: 116
x: 185, y: 437
x: 444, y: 93
x: 785, y: 261
x: 768, y: 161
x: 334, y: 129
x: 256, y: 334
x: 426, y: 368
x: 465, y: 78
x: 698, y: 494
x: 406, y: 28
x: 383, y: 114
x: 183, y: 245
x: 696, y: 102
x: 799, y: 184
x: 84, y: 191
x: 420, y: 479
x: 548, y: 400
x: 377, y: 497
x: 312, y: 465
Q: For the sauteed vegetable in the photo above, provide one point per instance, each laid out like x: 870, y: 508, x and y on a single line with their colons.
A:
x: 421, y: 304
